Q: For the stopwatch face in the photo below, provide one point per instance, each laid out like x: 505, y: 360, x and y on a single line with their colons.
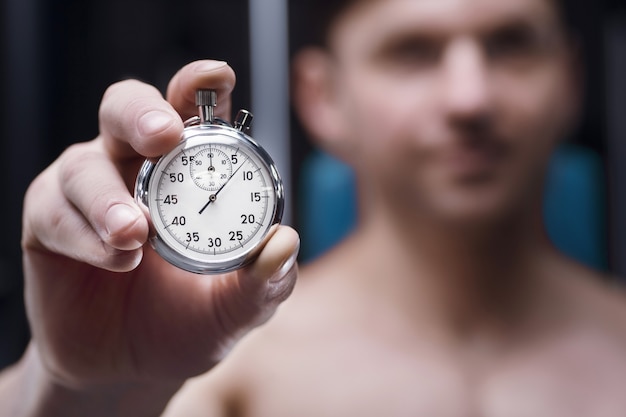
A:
x: 213, y: 200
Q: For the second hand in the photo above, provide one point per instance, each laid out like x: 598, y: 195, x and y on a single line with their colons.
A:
x: 213, y: 197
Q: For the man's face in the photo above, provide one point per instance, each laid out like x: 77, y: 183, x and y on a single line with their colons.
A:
x: 453, y: 104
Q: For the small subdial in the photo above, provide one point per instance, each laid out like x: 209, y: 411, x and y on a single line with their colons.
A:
x: 211, y: 168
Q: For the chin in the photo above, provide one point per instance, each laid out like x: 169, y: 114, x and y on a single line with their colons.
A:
x: 478, y: 207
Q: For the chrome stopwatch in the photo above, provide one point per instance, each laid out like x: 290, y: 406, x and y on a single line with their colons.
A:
x: 215, y: 198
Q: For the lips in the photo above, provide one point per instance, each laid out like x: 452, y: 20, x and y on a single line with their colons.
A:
x: 474, y: 159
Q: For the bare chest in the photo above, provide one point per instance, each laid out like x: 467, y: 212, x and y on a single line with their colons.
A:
x: 348, y: 379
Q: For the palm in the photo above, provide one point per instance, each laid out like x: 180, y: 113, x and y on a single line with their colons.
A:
x: 156, y: 321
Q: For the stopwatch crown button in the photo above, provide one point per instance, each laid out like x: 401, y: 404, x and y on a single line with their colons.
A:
x: 206, y: 100
x: 243, y: 120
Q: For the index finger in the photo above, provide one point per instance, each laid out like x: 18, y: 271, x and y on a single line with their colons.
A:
x: 135, y: 119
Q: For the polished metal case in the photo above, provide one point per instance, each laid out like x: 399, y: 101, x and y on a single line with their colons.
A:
x: 214, y: 133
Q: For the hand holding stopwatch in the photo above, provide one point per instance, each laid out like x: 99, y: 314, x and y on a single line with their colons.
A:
x: 216, y: 198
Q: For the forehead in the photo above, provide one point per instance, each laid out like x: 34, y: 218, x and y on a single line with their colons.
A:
x: 369, y: 20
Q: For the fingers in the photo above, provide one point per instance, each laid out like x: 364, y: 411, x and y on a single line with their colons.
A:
x: 80, y: 208
x: 276, y: 267
x: 250, y: 300
x: 136, y: 119
x: 217, y: 75
x: 90, y: 182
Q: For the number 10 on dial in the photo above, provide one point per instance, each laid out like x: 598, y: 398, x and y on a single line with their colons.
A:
x: 216, y: 198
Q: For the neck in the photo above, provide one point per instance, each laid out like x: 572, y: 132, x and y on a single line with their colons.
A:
x: 465, y: 275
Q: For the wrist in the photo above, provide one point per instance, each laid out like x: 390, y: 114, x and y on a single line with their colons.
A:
x: 42, y: 395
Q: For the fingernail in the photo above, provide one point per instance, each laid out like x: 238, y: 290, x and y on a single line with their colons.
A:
x: 286, y: 266
x: 154, y: 122
x: 119, y: 218
x: 208, y: 66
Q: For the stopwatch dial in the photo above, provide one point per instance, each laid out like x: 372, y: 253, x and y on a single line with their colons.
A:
x: 224, y: 218
x: 210, y: 168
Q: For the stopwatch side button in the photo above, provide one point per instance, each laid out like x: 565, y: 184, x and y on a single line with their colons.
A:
x: 243, y: 120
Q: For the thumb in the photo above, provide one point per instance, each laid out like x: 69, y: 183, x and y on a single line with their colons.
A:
x: 275, y: 270
x: 258, y: 289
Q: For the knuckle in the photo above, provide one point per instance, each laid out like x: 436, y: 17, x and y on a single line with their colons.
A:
x: 35, y: 189
x: 74, y: 162
x: 125, y: 99
x: 31, y: 217
x: 111, y: 95
x: 77, y: 166
x: 120, y: 88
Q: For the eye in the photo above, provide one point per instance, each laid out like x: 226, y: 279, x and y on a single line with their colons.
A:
x: 418, y: 51
x: 513, y: 42
x: 413, y: 52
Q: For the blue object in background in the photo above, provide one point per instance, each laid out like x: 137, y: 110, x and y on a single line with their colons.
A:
x: 327, y: 203
x: 574, y: 207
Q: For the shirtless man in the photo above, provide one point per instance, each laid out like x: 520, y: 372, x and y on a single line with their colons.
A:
x: 447, y: 300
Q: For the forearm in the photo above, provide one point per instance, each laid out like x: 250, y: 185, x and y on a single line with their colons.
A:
x: 26, y: 390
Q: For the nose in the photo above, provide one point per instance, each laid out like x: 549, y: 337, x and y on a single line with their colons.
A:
x: 466, y: 89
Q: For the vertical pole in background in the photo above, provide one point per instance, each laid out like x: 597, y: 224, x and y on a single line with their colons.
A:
x: 23, y: 125
x: 269, y: 58
x: 23, y: 121
x: 616, y: 131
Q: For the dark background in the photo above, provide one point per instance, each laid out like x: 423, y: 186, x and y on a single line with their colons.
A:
x: 58, y: 57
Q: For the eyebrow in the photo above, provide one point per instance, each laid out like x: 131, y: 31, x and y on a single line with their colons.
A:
x: 436, y: 36
x: 512, y: 25
x: 546, y: 34
x: 407, y: 37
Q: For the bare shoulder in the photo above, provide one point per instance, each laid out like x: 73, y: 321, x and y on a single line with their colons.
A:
x: 595, y: 332
x: 600, y: 302
x: 579, y: 366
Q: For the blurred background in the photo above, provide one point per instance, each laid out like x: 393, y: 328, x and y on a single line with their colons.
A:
x: 58, y: 57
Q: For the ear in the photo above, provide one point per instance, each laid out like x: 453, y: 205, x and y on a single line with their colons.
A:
x: 315, y: 99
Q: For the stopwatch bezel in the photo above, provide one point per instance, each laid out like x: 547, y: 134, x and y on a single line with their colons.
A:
x: 211, y: 133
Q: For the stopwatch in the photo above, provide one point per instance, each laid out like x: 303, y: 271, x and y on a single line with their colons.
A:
x: 215, y: 198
